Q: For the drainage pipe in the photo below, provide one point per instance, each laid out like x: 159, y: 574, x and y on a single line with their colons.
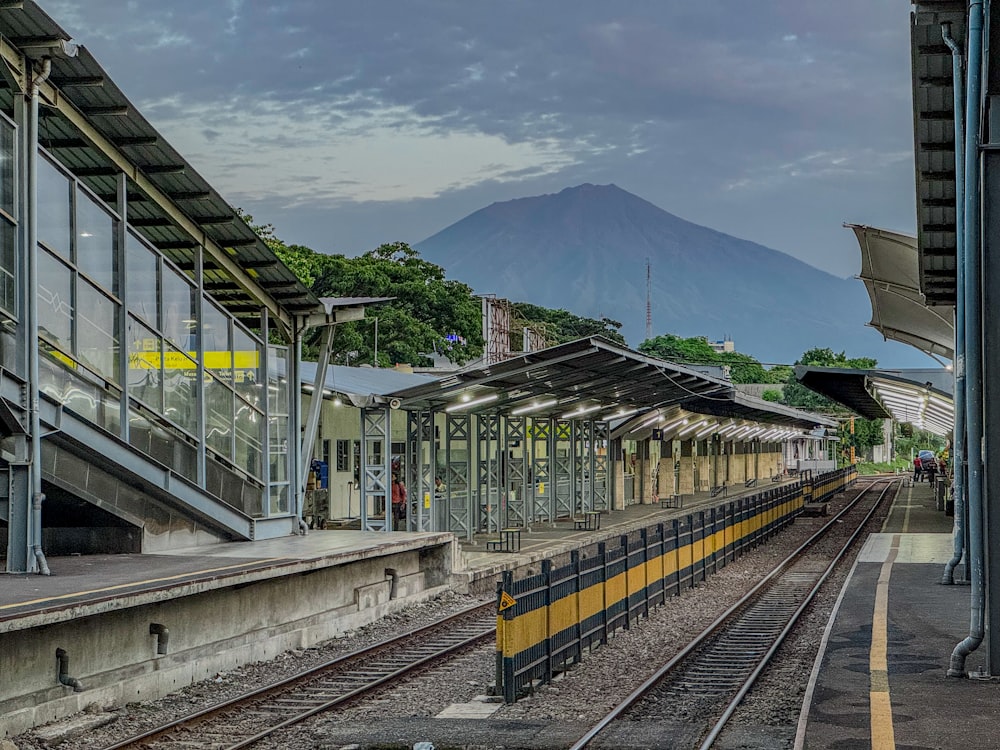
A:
x: 62, y: 659
x: 32, y: 322
x: 973, y: 345
x: 958, y: 448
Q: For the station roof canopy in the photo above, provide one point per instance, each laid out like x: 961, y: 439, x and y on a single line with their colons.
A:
x: 934, y: 142
x: 890, y: 270
x: 362, y: 384
x: 923, y: 398
x: 96, y: 132
x: 591, y: 378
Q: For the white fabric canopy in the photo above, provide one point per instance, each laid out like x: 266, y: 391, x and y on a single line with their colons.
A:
x: 891, y: 274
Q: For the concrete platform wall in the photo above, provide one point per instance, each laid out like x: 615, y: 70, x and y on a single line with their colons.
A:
x: 113, y: 654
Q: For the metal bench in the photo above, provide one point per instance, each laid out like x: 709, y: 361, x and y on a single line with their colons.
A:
x: 672, y: 501
x: 591, y: 521
x: 750, y: 482
x: 717, y: 490
x: 509, y: 541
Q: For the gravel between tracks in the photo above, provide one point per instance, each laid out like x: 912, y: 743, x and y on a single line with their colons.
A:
x: 582, y: 695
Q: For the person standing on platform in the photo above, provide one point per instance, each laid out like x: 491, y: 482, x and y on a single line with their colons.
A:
x: 398, y: 501
x: 929, y: 467
x: 916, y: 468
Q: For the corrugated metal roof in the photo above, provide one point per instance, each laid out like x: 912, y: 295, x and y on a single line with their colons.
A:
x: 88, y: 87
x: 363, y: 381
x: 590, y: 373
x: 934, y: 143
x: 922, y: 397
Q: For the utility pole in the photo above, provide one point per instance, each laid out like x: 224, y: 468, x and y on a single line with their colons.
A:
x: 649, y: 300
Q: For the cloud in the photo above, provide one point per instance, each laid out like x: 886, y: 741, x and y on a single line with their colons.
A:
x: 700, y: 107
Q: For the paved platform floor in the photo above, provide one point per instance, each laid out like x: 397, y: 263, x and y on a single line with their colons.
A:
x: 881, y: 681
x: 81, y: 582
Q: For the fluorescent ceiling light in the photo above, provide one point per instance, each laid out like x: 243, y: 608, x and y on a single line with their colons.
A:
x: 581, y: 410
x: 474, y: 402
x: 618, y: 415
x: 534, y: 407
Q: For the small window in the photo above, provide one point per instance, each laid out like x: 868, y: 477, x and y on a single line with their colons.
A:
x: 343, y: 455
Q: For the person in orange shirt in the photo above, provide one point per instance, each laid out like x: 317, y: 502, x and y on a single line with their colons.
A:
x: 398, y: 501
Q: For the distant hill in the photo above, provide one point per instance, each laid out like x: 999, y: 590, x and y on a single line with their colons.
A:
x: 584, y: 249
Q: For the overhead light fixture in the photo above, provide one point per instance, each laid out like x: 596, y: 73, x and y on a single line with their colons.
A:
x: 581, y: 410
x: 465, y: 404
x: 534, y: 407
x: 650, y: 421
x: 690, y: 427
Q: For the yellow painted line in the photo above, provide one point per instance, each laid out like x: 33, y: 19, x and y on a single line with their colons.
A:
x: 120, y: 586
x: 883, y: 736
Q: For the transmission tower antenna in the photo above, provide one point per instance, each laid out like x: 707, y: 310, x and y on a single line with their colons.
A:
x: 649, y: 301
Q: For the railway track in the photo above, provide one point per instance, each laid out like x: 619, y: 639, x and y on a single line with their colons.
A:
x: 243, y: 721
x: 689, y: 700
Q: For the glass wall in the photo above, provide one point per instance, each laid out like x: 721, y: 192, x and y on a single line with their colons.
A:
x: 8, y: 220
x: 190, y: 366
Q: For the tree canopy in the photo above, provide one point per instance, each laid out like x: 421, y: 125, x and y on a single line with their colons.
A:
x: 428, y: 313
x: 697, y: 351
x: 560, y: 326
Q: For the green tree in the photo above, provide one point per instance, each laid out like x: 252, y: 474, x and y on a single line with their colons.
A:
x: 771, y: 395
x: 560, y: 326
x: 697, y: 351
x: 428, y: 312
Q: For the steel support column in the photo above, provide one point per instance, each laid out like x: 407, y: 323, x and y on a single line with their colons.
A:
x: 601, y: 478
x: 542, y: 493
x: 488, y: 484
x: 990, y: 383
x: 421, y: 512
x: 458, y: 495
x: 562, y: 479
x: 516, y: 480
x: 376, y: 463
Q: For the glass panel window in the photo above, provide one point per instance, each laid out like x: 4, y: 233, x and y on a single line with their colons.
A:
x: 218, y: 417
x: 96, y: 242
x: 246, y: 365
x: 179, y: 317
x: 55, y: 301
x: 249, y: 449
x: 141, y: 263
x: 277, y: 385
x: 7, y: 161
x: 97, y: 331
x: 218, y: 352
x: 278, y: 427
x: 279, y: 499
x: 180, y: 394
x: 145, y: 377
x: 54, y: 209
x: 8, y: 266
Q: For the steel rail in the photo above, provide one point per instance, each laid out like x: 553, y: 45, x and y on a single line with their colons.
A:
x: 738, y: 607
x: 286, y: 688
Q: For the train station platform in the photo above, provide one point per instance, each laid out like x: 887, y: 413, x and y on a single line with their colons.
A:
x: 880, y: 680
x: 136, y: 627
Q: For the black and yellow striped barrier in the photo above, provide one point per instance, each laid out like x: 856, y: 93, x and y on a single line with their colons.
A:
x: 545, y: 621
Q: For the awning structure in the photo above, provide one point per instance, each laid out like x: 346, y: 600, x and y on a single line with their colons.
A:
x: 923, y: 398
x: 890, y: 270
x: 593, y: 378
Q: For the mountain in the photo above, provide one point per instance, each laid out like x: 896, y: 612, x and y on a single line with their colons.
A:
x: 584, y: 249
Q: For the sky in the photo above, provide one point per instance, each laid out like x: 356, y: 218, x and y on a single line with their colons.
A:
x: 351, y: 124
